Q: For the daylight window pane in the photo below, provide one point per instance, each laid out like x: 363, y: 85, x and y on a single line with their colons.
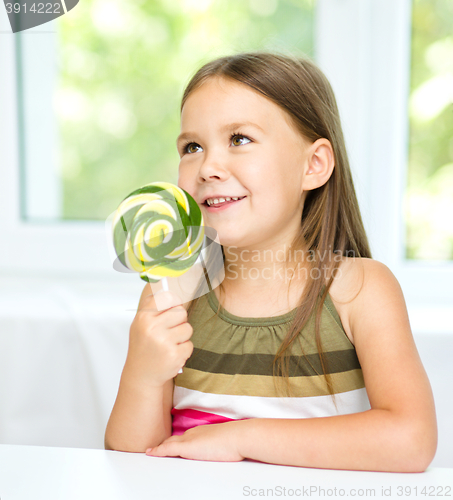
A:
x: 122, y: 67
x: 429, y: 195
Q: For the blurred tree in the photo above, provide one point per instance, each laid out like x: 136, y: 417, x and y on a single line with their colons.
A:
x: 429, y: 195
x: 123, y: 67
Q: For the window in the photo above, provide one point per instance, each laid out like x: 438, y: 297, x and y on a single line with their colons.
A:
x: 429, y: 197
x: 116, y: 88
x: 364, y: 48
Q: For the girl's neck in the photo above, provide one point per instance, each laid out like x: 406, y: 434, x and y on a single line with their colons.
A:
x: 260, y: 297
x: 264, y: 268
x: 274, y: 276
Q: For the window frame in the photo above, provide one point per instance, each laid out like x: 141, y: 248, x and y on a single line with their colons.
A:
x: 370, y: 85
x: 41, y: 247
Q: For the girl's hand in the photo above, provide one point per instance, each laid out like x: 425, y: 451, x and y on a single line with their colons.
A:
x: 211, y: 442
x: 159, y: 342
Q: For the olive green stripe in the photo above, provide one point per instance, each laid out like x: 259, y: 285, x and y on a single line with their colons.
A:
x: 247, y: 322
x: 261, y: 364
x: 257, y: 386
x: 218, y: 336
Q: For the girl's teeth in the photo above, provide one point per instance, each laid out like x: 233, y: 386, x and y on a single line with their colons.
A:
x: 215, y: 201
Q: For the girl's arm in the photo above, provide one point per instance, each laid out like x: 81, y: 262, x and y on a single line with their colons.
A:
x: 140, y: 417
x: 158, y: 346
x: 398, y: 433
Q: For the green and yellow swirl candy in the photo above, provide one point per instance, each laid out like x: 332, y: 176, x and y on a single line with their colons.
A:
x: 158, y: 231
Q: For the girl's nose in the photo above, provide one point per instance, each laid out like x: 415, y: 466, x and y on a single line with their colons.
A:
x: 213, y: 168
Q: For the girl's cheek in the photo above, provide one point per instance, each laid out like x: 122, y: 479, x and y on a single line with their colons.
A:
x: 186, y: 181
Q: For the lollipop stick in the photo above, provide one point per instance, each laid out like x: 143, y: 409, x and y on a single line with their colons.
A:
x: 165, y: 285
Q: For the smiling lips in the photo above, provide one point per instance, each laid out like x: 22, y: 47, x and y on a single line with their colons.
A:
x: 218, y: 202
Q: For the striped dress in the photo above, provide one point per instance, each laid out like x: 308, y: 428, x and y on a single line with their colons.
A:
x: 229, y: 374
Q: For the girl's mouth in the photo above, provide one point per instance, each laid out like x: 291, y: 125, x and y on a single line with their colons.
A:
x: 222, y: 205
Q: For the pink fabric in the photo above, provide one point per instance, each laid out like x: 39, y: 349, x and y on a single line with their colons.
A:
x: 186, y: 419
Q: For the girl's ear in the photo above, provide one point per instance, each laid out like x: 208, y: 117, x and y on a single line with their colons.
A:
x: 319, y: 164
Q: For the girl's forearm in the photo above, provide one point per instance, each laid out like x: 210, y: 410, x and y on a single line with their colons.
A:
x: 375, y: 440
x: 140, y: 417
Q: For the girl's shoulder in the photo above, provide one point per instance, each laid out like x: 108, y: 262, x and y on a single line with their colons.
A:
x: 356, y: 282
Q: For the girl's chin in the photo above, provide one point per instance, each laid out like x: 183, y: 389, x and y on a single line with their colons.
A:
x: 226, y: 243
x: 230, y: 236
x: 224, y: 236
x: 232, y: 244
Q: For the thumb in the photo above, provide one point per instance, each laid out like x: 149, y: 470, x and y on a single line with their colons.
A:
x: 165, y: 449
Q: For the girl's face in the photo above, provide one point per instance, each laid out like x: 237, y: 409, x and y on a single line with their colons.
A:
x: 235, y: 142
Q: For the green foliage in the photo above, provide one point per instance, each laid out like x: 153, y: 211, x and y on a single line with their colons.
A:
x: 429, y: 196
x: 123, y: 66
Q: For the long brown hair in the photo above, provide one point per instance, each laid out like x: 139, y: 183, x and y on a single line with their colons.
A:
x: 331, y: 220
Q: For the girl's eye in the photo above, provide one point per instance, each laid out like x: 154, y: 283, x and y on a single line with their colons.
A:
x: 191, y: 148
x: 238, y: 140
x: 235, y: 140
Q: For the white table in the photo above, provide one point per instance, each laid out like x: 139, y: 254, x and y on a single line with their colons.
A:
x: 44, y: 473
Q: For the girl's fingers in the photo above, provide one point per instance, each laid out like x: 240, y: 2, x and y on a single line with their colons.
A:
x: 166, y: 449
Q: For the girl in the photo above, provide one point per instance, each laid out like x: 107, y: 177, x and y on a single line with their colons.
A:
x: 303, y: 355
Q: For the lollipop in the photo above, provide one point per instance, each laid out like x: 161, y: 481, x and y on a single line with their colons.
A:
x: 158, y: 231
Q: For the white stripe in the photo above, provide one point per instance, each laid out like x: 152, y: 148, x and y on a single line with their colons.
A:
x: 260, y: 407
